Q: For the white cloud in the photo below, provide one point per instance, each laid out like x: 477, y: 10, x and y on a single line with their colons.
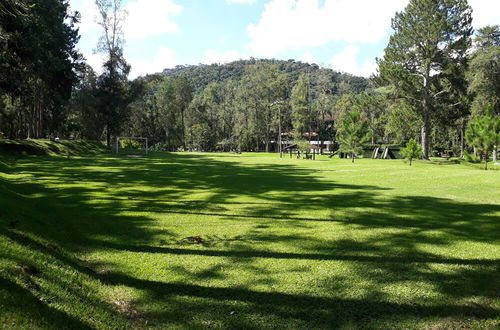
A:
x: 307, y: 57
x: 145, y: 18
x: 485, y: 12
x: 165, y: 58
x: 95, y: 61
x: 294, y: 24
x: 150, y: 18
x: 88, y: 11
x: 241, y: 1
x: 212, y: 56
x: 89, y: 31
x: 346, y: 61
x: 284, y: 25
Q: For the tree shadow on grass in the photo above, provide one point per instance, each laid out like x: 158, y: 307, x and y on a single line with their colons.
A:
x: 62, y: 204
x: 83, y: 217
x: 58, y: 291
x: 295, y: 310
x: 29, y: 312
x: 193, y: 305
x: 237, y: 253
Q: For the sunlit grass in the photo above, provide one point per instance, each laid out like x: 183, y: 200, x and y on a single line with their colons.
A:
x: 282, y: 243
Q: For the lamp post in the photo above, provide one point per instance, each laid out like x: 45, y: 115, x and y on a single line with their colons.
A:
x: 279, y: 124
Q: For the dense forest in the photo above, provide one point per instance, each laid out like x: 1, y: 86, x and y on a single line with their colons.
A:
x: 239, y: 105
x: 438, y: 83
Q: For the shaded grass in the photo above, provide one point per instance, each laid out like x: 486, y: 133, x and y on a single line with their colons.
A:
x: 285, y: 243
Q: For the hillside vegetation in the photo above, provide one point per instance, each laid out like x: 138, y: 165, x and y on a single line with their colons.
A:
x: 203, y: 74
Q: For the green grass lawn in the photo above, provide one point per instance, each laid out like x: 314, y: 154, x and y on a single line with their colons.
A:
x: 99, y: 241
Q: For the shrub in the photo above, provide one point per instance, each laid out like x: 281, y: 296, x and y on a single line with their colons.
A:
x: 159, y: 147
x: 411, y: 151
x: 471, y: 158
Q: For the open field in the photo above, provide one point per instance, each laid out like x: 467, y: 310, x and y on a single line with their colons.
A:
x: 100, y: 241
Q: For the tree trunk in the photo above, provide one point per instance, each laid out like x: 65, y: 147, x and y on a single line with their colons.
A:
x: 372, y: 124
x: 426, y: 124
x: 462, y: 138
x: 352, y: 156
x: 495, y: 150
x: 183, y: 129
x: 268, y: 138
x: 425, y: 131
x: 108, y: 137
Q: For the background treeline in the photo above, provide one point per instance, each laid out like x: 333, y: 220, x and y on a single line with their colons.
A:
x: 38, y: 64
x: 237, y: 105
x: 436, y: 79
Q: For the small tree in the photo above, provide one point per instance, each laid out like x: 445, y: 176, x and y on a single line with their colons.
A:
x: 353, y: 133
x: 483, y: 134
x: 412, y: 150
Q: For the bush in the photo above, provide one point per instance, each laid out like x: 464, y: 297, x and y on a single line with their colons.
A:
x: 412, y: 150
x: 471, y: 158
x: 159, y: 147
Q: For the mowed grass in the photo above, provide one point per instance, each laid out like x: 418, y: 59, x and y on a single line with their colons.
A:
x: 100, y: 242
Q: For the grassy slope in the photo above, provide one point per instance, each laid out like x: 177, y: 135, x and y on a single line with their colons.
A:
x: 287, y: 243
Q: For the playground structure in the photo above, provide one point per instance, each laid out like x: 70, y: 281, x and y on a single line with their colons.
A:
x: 383, y: 153
x: 310, y: 154
x: 379, y: 152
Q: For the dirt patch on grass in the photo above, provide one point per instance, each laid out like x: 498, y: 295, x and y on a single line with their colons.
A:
x: 129, y: 311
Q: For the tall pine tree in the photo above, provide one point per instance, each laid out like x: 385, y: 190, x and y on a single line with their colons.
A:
x: 425, y: 55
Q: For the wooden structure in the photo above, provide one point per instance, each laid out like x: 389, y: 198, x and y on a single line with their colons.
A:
x: 304, y: 155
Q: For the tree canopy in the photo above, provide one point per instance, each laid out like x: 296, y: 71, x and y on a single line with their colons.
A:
x: 426, y: 57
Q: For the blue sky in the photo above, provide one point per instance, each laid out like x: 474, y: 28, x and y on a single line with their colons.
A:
x: 345, y: 35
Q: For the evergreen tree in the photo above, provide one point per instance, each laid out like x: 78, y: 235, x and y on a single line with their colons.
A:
x: 373, y: 105
x: 38, y: 61
x: 483, y: 133
x: 183, y: 94
x: 84, y: 105
x: 300, y: 106
x: 484, y: 70
x: 411, y: 151
x: 484, y: 73
x: 426, y: 56
x: 353, y: 133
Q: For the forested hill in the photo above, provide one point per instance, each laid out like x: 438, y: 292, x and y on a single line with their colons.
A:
x: 234, y: 105
x: 201, y: 75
